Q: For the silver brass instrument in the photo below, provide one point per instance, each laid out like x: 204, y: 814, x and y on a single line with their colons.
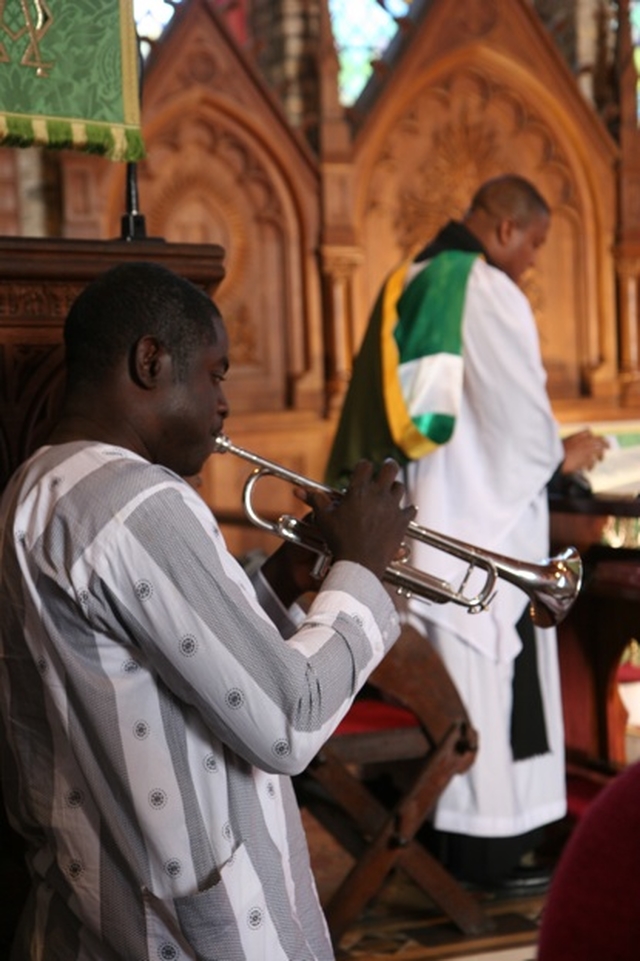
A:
x: 551, y: 585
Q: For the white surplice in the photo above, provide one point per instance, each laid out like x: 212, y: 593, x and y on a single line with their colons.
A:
x: 487, y: 487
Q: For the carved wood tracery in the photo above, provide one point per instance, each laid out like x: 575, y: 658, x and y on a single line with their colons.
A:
x: 203, y: 182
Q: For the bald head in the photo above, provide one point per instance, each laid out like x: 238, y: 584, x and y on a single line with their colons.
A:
x: 510, y: 196
x: 511, y: 219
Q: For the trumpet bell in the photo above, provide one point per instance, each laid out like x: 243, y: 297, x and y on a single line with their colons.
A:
x: 557, y: 587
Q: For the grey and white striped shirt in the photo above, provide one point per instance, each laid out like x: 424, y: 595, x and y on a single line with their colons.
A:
x: 153, y: 713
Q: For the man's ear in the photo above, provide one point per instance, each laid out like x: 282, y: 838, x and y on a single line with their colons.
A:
x: 504, y: 231
x: 148, y: 360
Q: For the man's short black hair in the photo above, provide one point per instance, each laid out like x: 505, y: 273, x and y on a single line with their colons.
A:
x: 128, y: 302
x: 510, y: 196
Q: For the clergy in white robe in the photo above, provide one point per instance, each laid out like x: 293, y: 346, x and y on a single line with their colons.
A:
x: 450, y: 381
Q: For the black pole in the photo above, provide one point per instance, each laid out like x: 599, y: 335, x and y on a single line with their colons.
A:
x: 132, y: 223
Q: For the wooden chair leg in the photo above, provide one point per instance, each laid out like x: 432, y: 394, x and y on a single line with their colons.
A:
x: 391, y: 841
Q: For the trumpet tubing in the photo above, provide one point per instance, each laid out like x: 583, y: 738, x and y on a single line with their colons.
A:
x: 552, y: 585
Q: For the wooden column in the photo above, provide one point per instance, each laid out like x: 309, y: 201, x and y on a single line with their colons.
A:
x: 338, y: 266
x: 628, y: 246
x: 340, y: 254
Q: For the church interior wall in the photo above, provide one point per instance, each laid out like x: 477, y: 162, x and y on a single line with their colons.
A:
x: 472, y: 95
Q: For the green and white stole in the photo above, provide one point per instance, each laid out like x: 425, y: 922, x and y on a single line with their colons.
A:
x: 406, y: 387
x: 421, y: 348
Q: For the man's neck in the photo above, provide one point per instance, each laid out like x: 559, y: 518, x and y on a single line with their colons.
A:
x: 454, y: 236
x: 77, y: 424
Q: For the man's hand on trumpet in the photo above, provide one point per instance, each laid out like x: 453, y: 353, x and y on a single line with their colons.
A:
x: 366, y: 524
x: 290, y: 572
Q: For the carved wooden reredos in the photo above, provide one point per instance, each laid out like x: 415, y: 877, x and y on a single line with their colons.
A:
x: 474, y: 99
x: 472, y: 89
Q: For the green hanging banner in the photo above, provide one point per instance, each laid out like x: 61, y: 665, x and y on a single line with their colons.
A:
x: 69, y: 76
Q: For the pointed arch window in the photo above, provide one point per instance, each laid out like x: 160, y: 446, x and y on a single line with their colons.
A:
x: 151, y: 17
x: 362, y: 30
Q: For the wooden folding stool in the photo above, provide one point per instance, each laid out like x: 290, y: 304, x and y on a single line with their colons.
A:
x: 415, y: 716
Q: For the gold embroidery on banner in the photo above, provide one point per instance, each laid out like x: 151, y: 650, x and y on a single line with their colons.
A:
x: 36, y: 20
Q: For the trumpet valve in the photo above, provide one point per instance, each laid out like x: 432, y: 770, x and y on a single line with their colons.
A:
x: 403, y: 553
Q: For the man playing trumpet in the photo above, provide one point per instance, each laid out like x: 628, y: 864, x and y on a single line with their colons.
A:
x: 154, y: 701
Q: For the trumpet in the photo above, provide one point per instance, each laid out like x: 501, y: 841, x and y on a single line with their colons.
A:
x: 552, y: 585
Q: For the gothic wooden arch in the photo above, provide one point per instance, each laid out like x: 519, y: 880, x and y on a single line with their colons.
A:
x: 212, y: 176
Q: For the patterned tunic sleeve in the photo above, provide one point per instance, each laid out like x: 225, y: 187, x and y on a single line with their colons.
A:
x: 134, y: 561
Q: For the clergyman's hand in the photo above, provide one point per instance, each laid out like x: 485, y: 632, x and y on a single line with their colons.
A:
x: 582, y: 451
